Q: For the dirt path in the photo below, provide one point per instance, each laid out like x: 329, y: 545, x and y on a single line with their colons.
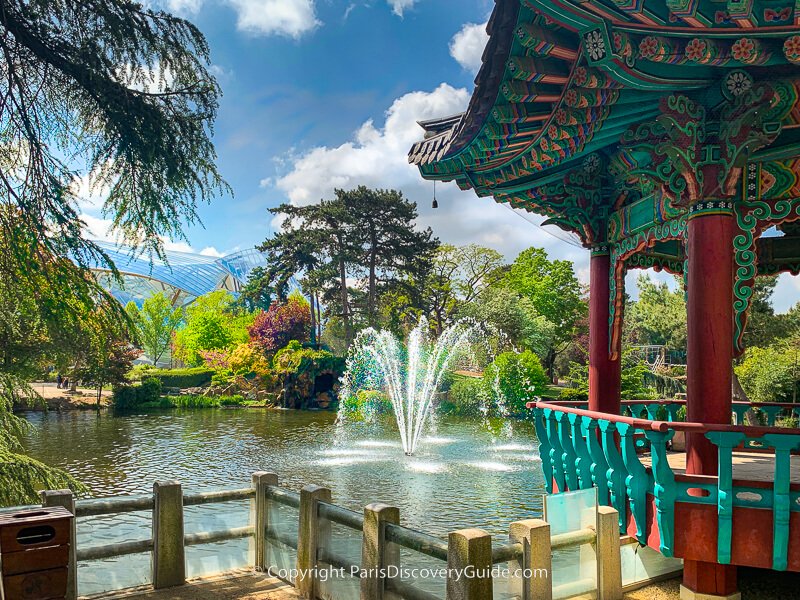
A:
x: 56, y: 399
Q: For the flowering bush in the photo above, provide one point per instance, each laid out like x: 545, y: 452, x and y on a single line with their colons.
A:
x: 281, y: 324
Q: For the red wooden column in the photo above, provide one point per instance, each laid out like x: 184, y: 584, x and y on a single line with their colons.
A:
x: 604, y: 373
x: 709, y: 359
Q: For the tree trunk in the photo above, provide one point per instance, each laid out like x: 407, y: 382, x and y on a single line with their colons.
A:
x: 99, y: 394
x: 737, y: 391
x: 551, y: 365
x: 319, y: 317
x: 372, y: 262
x: 313, y: 320
x: 345, y: 308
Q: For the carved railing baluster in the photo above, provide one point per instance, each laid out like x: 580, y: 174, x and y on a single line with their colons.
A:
x: 556, y: 452
x: 583, y: 460
x: 663, y: 489
x: 725, y: 442
x: 540, y: 423
x: 781, y: 500
x: 568, y: 455
x: 616, y: 472
x: 636, y: 481
x: 599, y: 464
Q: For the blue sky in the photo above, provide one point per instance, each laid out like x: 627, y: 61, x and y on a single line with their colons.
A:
x: 325, y: 93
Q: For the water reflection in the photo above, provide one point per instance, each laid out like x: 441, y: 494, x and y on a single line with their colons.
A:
x: 461, y: 476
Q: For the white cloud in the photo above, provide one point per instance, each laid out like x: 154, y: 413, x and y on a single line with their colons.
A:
x: 398, y: 6
x: 468, y: 44
x: 184, y: 7
x: 787, y: 292
x: 284, y: 17
x: 377, y: 157
x: 261, y: 17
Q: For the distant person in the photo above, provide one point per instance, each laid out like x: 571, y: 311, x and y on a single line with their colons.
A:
x: 59, y: 381
x: 66, y: 383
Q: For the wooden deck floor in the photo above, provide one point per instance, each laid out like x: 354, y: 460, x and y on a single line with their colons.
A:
x: 239, y: 585
x: 746, y: 465
x: 756, y: 584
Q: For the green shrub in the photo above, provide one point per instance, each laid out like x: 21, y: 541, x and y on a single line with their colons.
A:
x: 514, y: 379
x: 139, y: 372
x: 150, y: 390
x: 126, y: 397
x: 366, y: 403
x: 466, y: 397
x: 768, y: 374
x: 183, y: 378
x: 573, y: 395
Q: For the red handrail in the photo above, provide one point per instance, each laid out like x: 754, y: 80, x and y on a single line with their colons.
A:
x: 750, y: 431
x: 663, y: 402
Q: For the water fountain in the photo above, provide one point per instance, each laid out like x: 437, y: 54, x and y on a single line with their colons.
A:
x: 410, y: 376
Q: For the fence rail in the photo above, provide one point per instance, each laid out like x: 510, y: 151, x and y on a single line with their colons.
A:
x: 529, y: 545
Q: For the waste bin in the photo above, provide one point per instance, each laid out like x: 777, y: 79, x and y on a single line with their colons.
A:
x: 34, y: 553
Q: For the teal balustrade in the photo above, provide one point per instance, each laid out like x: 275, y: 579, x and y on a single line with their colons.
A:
x: 568, y: 455
x: 616, y: 473
x: 556, y: 452
x: 725, y: 441
x: 583, y: 460
x: 781, y: 501
x: 663, y: 489
x: 636, y: 482
x: 740, y: 410
x: 599, y: 466
x: 545, y: 448
x: 580, y: 449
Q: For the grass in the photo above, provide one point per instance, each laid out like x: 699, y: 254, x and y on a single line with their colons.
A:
x: 189, y: 401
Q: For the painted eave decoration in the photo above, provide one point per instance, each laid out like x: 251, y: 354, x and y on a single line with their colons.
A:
x: 566, y: 84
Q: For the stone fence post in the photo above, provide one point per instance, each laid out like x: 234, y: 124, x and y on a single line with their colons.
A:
x: 609, y: 561
x: 259, y: 516
x: 376, y: 553
x: 310, y: 533
x: 469, y: 564
x: 537, y: 558
x: 169, y: 561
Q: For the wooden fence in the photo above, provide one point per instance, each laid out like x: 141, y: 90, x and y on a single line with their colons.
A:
x: 469, y: 553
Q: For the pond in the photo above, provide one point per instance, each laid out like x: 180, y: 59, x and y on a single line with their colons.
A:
x: 465, y: 474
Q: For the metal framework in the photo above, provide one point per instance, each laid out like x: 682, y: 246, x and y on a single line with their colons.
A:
x: 183, y: 276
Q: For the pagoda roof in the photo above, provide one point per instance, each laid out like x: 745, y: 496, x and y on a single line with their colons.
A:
x: 561, y: 81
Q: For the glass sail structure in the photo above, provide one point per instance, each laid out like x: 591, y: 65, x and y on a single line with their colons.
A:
x: 183, y: 276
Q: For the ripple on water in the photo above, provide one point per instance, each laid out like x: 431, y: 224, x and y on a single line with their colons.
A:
x: 519, y: 457
x: 378, y: 444
x: 353, y: 452
x: 510, y: 448
x: 344, y: 461
x: 489, y: 465
x: 438, y: 441
x: 421, y: 466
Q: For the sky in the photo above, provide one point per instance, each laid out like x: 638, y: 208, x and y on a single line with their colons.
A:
x: 322, y: 94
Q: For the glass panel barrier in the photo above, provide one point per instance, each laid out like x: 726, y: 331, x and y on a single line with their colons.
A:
x: 574, y: 568
x: 574, y: 571
x: 507, y: 581
x: 339, y: 548
x: 641, y: 563
x: 420, y: 571
x: 211, y: 559
x: 106, y: 575
x: 281, y: 546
